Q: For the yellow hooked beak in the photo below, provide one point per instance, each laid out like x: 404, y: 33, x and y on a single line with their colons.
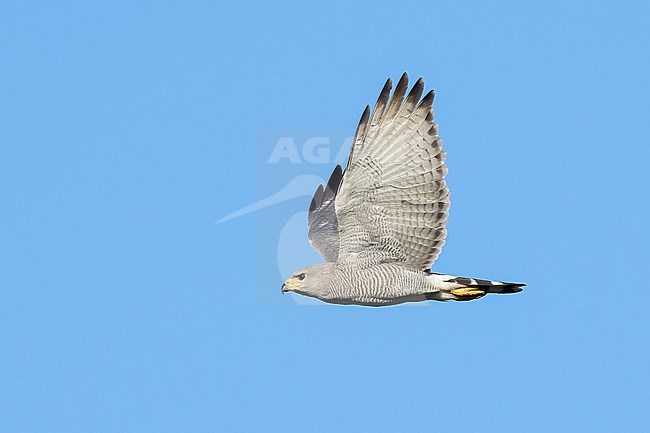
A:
x: 290, y: 284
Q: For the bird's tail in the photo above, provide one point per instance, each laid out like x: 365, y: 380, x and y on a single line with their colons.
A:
x: 450, y: 287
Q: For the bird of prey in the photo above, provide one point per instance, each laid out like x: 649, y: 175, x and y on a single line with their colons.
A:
x: 380, y: 223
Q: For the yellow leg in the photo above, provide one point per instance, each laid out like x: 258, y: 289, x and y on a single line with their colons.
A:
x: 467, y: 292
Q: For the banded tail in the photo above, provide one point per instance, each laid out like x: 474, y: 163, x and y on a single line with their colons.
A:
x: 464, y: 289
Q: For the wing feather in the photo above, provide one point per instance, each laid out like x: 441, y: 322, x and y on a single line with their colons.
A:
x: 397, y: 99
x: 360, y: 134
x: 393, y: 198
x: 382, y: 102
x: 323, y: 226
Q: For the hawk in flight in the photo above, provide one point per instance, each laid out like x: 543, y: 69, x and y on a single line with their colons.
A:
x: 380, y: 223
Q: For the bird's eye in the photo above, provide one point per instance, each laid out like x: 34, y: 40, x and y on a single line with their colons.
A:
x: 300, y: 277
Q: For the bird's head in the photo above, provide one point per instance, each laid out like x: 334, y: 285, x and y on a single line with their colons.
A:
x: 311, y: 281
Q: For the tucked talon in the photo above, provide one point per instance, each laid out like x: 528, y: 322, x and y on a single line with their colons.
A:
x: 467, y: 291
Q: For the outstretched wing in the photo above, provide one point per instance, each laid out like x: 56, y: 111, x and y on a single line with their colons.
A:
x: 323, y: 226
x: 393, y: 197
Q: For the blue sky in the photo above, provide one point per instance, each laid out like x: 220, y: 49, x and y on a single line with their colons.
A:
x: 127, y: 130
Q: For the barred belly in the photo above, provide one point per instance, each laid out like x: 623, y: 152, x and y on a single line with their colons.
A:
x: 379, y: 284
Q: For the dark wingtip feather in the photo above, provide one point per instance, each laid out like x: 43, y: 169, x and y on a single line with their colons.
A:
x: 416, y: 91
x: 335, y: 179
x: 363, y: 124
x: 428, y: 99
x: 402, y: 84
x: 397, y: 98
x: 361, y: 131
x: 387, y: 86
x: 382, y: 102
x: 317, y: 198
x: 365, y: 116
